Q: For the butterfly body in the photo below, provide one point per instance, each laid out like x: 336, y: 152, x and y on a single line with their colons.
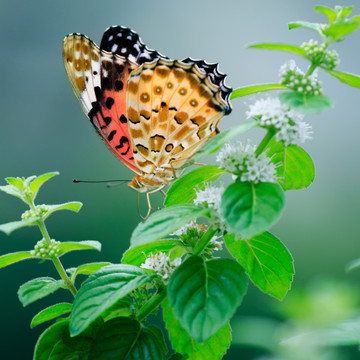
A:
x: 153, y: 113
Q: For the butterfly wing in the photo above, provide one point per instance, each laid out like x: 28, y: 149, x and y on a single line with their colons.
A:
x: 173, y: 108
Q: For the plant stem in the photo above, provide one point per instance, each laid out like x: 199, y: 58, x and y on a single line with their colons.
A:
x: 264, y: 142
x: 311, y: 69
x: 151, y: 305
x: 201, y: 245
x: 57, y: 263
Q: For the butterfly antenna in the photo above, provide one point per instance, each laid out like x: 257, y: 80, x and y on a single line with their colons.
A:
x: 109, y: 183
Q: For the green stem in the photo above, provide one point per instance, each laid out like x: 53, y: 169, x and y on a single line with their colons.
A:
x: 57, y: 263
x: 264, y: 142
x: 151, y: 305
x: 311, y: 69
x: 201, y: 245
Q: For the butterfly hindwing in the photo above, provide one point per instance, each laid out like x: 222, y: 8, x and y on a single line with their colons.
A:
x: 173, y: 107
x: 99, y: 80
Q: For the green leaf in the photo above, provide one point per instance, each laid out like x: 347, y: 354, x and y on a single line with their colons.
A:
x: 353, y: 265
x: 86, y: 269
x: 8, y: 228
x: 124, y: 338
x: 266, y: 260
x: 295, y: 168
x: 254, y: 89
x: 72, y: 206
x: 219, y: 140
x: 304, y: 24
x: 205, y: 295
x: 279, y: 47
x: 337, y: 31
x: 165, y: 222
x: 12, y: 190
x: 40, y: 180
x: 101, y: 290
x: 137, y: 255
x: 306, y: 104
x: 51, y: 313
x: 329, y: 13
x: 250, y: 209
x: 38, y: 288
x: 214, y: 348
x: 16, y: 182
x: 349, y: 79
x: 8, y: 259
x: 68, y: 246
x: 183, y: 190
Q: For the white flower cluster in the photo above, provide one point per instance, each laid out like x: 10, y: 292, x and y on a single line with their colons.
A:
x: 39, y: 211
x: 319, y: 55
x: 211, y: 197
x: 292, y: 77
x: 288, y: 124
x: 218, y: 245
x: 161, y: 264
x: 242, y: 161
x: 184, y: 229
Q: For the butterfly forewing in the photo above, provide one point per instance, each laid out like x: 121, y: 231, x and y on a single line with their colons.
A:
x: 173, y: 109
x: 99, y: 80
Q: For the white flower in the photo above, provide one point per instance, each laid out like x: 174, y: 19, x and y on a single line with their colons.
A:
x: 290, y: 66
x: 217, y: 244
x: 183, y: 230
x: 287, y: 122
x: 211, y: 197
x: 161, y: 264
x: 242, y: 161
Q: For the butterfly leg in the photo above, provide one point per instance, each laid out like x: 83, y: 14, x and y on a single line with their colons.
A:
x: 163, y: 192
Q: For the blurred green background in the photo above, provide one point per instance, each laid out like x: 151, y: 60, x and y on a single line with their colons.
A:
x: 43, y: 129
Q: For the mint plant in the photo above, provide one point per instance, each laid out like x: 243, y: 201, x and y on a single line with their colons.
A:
x: 172, y: 261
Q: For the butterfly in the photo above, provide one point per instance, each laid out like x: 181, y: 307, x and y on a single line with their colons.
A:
x: 153, y: 113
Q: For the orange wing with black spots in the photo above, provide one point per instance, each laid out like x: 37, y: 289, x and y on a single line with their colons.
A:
x: 99, y: 80
x: 173, y: 108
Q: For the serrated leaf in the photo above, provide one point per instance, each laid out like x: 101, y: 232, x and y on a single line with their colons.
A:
x: 137, y: 255
x: 11, y: 190
x: 38, y: 288
x: 347, y: 78
x: 219, y: 140
x: 101, y: 290
x: 254, y: 89
x: 266, y: 260
x: 306, y: 104
x: 205, y: 295
x: 213, y: 348
x: 86, y: 269
x: 165, y: 222
x: 329, y: 13
x: 337, y: 31
x: 250, y: 209
x: 279, y: 47
x: 68, y: 246
x: 308, y: 25
x: 51, y: 313
x: 8, y: 259
x: 8, y: 228
x: 295, y: 168
x: 16, y: 182
x: 72, y: 206
x: 40, y: 180
x: 183, y: 190
x: 124, y: 338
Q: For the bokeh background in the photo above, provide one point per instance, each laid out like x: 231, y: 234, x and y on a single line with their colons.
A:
x: 43, y: 129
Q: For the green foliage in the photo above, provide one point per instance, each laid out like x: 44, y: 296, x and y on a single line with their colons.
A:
x: 349, y: 79
x: 213, y: 348
x: 38, y: 288
x: 249, y: 209
x: 103, y: 289
x: 50, y: 313
x: 279, y: 47
x: 8, y: 228
x: 72, y: 206
x: 137, y: 255
x: 68, y: 246
x: 165, y: 222
x: 205, y: 294
x: 86, y: 269
x: 8, y: 259
x: 266, y: 260
x: 295, y: 169
x: 254, y: 89
x: 306, y: 104
x: 39, y: 181
x: 183, y: 190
